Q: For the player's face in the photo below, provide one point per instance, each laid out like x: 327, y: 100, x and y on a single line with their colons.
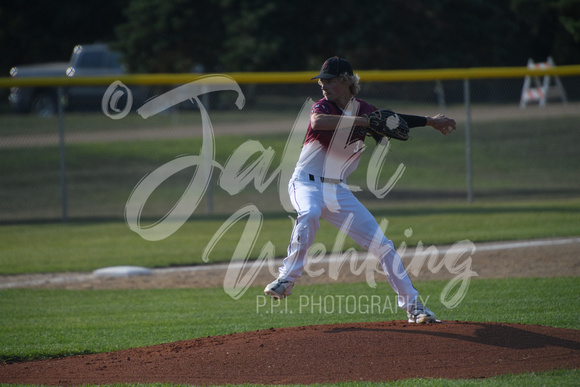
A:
x: 334, y: 89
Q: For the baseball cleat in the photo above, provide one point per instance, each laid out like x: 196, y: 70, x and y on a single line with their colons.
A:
x: 420, y: 314
x: 279, y: 289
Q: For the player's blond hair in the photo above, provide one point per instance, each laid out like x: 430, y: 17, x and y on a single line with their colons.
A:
x: 353, y: 82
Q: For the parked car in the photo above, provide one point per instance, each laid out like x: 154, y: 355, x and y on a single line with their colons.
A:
x: 86, y: 60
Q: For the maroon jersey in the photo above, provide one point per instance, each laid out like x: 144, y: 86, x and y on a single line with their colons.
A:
x: 330, y: 153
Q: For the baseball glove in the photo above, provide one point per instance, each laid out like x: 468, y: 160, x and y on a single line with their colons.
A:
x: 387, y: 123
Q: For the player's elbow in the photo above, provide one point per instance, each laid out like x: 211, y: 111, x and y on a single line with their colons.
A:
x: 317, y: 121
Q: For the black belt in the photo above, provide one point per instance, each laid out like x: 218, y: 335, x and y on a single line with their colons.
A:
x: 324, y: 179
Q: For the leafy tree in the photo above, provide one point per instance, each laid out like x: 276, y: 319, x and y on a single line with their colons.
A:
x: 552, y: 28
x: 265, y: 36
x: 171, y: 35
x: 260, y: 35
x: 401, y: 34
x: 35, y: 31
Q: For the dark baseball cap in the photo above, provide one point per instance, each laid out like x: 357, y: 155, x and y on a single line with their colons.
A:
x: 333, y: 67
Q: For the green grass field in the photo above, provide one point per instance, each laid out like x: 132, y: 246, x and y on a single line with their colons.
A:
x: 82, y: 246
x: 512, y: 160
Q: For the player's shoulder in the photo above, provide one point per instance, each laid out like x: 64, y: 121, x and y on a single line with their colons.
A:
x: 323, y: 106
x: 365, y: 107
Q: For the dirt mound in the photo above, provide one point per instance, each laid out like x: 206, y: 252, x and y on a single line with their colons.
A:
x: 379, y: 351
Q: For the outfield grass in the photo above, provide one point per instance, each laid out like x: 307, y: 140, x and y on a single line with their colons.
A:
x: 511, y: 160
x: 78, y: 246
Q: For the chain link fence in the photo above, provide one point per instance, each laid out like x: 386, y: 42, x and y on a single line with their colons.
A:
x: 85, y: 163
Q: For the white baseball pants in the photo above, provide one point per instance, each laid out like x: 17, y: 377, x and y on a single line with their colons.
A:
x: 335, y: 203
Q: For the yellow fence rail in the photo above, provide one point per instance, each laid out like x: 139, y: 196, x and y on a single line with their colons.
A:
x: 299, y: 77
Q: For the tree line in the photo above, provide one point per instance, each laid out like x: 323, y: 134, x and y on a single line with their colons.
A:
x: 167, y: 36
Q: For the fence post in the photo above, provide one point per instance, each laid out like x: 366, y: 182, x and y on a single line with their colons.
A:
x: 468, y: 166
x: 62, y: 156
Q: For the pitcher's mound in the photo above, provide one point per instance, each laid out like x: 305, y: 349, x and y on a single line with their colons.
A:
x: 378, y: 351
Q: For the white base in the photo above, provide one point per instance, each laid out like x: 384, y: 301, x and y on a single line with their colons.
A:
x: 122, y: 271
